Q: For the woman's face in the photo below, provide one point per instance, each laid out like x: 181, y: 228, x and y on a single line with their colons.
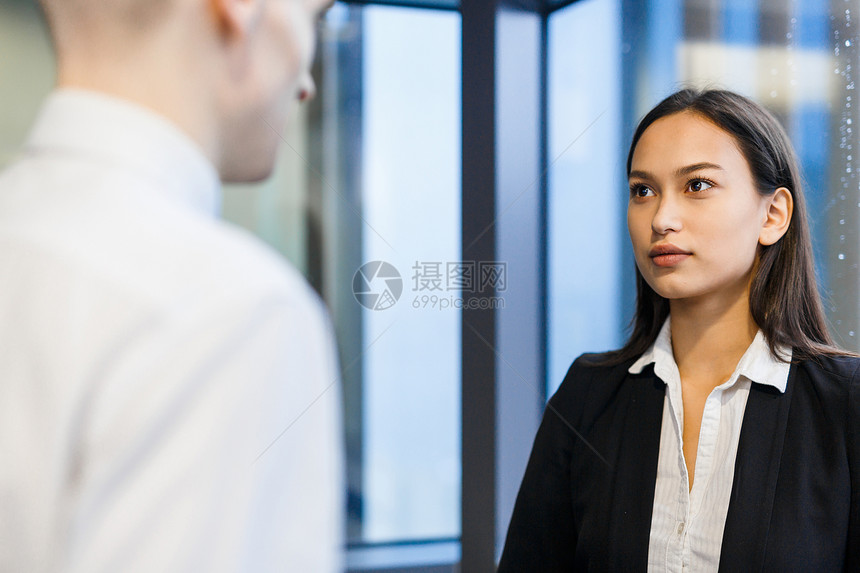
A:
x: 694, y: 215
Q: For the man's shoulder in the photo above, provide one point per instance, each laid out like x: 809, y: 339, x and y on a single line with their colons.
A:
x: 216, y: 257
x: 135, y: 241
x: 249, y: 263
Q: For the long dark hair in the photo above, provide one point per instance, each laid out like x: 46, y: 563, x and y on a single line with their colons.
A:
x: 784, y: 299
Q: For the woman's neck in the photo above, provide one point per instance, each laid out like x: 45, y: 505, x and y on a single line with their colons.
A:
x: 710, y: 335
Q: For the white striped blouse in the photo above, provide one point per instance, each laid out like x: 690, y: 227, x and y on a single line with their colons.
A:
x: 687, y: 525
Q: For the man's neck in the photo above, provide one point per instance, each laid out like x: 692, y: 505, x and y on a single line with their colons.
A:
x: 154, y: 91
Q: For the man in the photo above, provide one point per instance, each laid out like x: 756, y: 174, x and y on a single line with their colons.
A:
x: 169, y: 397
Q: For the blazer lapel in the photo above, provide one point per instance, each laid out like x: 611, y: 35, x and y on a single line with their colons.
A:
x: 635, y: 472
x: 756, y: 471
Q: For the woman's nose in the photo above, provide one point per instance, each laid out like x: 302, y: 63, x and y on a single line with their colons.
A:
x: 667, y: 218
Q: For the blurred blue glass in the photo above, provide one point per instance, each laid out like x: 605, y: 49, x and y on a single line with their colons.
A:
x: 411, y: 204
x: 585, y: 182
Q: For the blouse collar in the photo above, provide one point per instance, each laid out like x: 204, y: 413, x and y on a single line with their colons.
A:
x: 757, y: 364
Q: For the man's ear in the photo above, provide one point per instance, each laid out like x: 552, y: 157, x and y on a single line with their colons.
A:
x: 236, y: 18
x: 780, y: 206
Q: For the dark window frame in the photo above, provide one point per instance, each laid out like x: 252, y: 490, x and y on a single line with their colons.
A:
x: 490, y: 382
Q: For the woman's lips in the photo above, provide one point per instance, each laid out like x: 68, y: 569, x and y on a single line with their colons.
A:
x: 669, y: 260
x: 667, y: 255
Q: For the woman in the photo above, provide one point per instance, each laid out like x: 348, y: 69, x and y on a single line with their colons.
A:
x: 725, y: 435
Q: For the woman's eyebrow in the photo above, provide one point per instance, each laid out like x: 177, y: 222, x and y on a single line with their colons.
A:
x: 680, y: 172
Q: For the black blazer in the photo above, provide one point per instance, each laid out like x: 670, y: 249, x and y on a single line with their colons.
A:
x: 585, y: 501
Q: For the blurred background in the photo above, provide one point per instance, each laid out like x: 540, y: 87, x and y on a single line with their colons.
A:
x: 478, y: 148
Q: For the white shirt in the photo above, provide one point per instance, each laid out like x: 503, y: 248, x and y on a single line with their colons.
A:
x: 149, y: 354
x: 687, y: 526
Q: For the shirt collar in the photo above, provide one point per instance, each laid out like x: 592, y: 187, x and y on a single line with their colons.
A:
x: 126, y: 135
x: 757, y: 364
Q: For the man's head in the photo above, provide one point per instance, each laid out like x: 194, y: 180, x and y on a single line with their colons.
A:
x: 226, y: 71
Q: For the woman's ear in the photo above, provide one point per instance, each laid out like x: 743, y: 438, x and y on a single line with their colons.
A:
x: 780, y: 206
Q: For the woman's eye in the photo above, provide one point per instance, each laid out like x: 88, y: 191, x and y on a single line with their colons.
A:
x: 640, y: 191
x: 698, y: 185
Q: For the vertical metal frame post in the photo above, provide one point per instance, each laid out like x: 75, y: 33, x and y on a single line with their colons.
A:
x: 503, y: 392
